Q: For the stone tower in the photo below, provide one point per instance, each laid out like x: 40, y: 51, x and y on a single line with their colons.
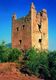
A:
x: 31, y: 30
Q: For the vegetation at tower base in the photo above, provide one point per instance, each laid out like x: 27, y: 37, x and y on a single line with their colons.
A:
x: 52, y: 64
x: 36, y: 61
x: 40, y: 63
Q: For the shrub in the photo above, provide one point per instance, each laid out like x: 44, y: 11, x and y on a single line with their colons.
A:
x: 14, y: 55
x: 8, y: 54
x: 52, y: 64
x: 36, y: 59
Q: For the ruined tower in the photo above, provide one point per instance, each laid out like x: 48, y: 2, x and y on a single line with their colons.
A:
x: 31, y: 30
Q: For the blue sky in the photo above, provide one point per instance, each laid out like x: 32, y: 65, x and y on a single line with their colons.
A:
x: 21, y: 8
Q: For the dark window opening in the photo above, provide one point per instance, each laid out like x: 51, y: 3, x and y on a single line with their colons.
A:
x: 13, y: 16
x: 40, y: 40
x: 40, y: 13
x: 20, y: 41
x: 23, y: 27
x: 17, y: 29
x: 39, y: 26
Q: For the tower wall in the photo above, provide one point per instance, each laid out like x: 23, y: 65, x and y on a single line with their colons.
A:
x: 21, y: 33
x: 33, y: 26
x: 31, y: 30
x: 44, y: 30
x: 39, y: 28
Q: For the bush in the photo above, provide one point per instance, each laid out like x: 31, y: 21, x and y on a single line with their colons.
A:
x: 3, y: 53
x: 52, y: 64
x: 42, y: 63
x: 8, y: 54
x: 14, y: 55
x: 36, y: 59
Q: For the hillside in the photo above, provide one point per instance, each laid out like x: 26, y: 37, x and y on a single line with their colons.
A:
x: 8, y: 71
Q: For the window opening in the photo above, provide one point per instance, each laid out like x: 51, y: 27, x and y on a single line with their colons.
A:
x: 20, y: 41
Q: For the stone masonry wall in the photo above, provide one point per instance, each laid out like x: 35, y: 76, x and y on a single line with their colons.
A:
x: 21, y: 33
x: 31, y: 30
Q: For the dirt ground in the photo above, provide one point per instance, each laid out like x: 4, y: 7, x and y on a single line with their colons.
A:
x: 8, y: 71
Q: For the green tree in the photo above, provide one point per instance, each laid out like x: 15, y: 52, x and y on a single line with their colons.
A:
x: 37, y: 60
x: 8, y: 54
x: 14, y: 54
x: 52, y: 64
x: 3, y: 52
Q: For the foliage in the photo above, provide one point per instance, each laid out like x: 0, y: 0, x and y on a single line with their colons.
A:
x: 8, y: 54
x: 42, y: 63
x: 52, y: 64
x: 36, y: 59
x: 14, y: 55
